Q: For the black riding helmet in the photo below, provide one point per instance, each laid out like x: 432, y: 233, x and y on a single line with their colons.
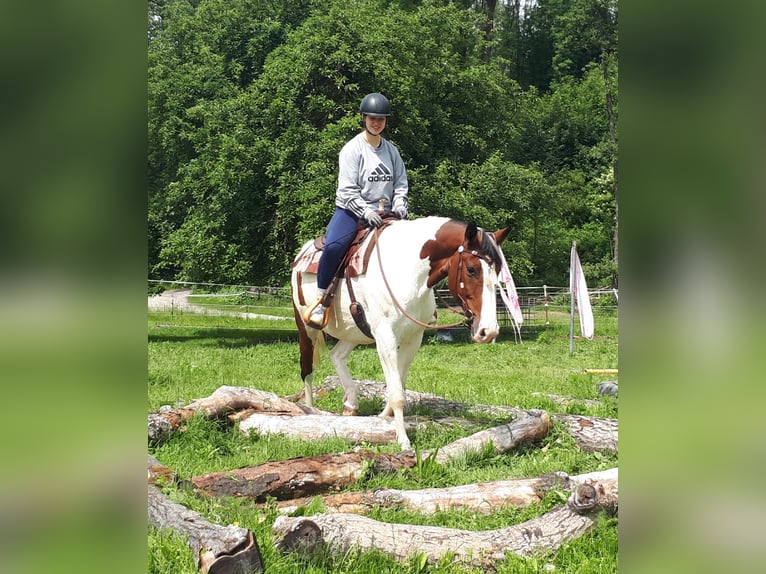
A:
x: 375, y: 105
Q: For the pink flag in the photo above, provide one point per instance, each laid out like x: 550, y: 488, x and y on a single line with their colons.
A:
x: 508, y: 294
x: 579, y: 291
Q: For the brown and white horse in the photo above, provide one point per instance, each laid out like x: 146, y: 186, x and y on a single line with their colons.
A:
x: 413, y: 256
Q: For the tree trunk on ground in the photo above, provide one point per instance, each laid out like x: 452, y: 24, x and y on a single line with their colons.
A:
x: 591, y: 433
x: 372, y: 430
x: 224, y: 400
x: 483, y: 497
x: 532, y: 426
x: 297, y: 477
x: 433, y: 403
x: 308, y: 476
x: 344, y: 532
x: 217, y: 549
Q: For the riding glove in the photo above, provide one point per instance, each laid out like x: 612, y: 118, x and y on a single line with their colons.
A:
x: 401, y: 212
x: 373, y: 218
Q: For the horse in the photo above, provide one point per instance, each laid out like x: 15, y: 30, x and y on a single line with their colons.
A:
x: 396, y: 292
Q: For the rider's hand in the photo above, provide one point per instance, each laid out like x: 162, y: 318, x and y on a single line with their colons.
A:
x: 401, y: 212
x: 373, y: 218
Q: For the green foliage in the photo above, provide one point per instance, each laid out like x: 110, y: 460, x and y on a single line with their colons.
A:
x: 250, y: 102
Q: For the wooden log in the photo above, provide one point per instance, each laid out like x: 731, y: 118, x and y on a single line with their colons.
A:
x: 434, y: 404
x: 298, y: 477
x: 217, y: 549
x: 370, y: 429
x: 483, y: 497
x: 345, y: 532
x: 600, y: 371
x: 224, y: 400
x: 532, y: 426
x: 307, y: 476
x: 591, y: 433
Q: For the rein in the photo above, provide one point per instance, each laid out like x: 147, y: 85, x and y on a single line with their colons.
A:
x: 399, y: 305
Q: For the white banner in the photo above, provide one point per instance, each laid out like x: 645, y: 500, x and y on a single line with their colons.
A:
x: 579, y: 290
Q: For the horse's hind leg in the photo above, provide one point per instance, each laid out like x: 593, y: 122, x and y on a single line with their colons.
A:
x: 308, y: 357
x: 339, y: 357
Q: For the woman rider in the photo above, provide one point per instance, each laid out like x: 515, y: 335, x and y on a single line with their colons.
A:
x: 370, y: 169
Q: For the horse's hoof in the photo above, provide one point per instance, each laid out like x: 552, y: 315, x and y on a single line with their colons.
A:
x: 350, y: 411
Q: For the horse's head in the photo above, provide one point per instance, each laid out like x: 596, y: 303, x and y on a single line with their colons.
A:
x: 471, y: 262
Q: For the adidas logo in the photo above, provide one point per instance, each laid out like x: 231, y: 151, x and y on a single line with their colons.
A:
x: 380, y: 173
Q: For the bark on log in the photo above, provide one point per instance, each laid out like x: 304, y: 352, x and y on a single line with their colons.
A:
x: 217, y: 549
x: 591, y: 433
x: 298, y: 477
x: 484, y: 497
x: 307, y: 476
x: 224, y: 400
x: 344, y: 532
x: 432, y: 403
x: 372, y: 430
x: 526, y: 429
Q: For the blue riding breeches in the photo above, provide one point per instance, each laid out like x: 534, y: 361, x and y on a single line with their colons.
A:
x: 339, y: 235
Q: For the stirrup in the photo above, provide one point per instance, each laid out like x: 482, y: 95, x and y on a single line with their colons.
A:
x: 310, y: 310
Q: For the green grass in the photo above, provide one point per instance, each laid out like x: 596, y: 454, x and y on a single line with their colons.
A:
x: 190, y: 355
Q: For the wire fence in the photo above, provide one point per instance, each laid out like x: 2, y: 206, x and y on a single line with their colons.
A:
x: 541, y: 306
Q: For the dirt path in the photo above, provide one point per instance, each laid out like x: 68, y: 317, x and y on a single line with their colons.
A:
x: 178, y: 299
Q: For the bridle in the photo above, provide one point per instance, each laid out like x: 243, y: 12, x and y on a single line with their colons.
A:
x: 464, y: 311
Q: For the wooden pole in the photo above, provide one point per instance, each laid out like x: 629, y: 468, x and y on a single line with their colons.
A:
x: 571, y: 297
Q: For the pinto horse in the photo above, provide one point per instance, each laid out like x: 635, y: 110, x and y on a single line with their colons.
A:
x: 396, y: 292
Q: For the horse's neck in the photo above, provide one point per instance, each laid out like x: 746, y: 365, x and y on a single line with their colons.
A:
x: 403, y: 249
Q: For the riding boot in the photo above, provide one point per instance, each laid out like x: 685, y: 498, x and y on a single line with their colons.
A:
x: 317, y: 316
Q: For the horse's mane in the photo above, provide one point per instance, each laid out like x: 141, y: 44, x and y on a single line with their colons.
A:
x: 490, y: 248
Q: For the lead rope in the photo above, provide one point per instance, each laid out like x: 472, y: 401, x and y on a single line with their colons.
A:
x: 396, y: 302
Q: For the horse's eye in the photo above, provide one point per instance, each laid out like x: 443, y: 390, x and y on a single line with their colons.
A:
x: 471, y: 270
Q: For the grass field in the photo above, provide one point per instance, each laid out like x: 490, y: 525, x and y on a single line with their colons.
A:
x: 190, y: 355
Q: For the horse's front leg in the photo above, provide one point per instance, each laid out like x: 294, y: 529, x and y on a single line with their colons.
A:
x: 339, y: 357
x: 396, y: 356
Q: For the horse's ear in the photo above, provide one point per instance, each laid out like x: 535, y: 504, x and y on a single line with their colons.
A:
x: 470, y: 232
x: 501, y: 234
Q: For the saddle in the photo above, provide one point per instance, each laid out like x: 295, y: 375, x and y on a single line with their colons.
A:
x: 353, y: 264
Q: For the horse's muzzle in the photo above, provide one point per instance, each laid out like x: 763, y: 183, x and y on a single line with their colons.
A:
x: 486, y: 334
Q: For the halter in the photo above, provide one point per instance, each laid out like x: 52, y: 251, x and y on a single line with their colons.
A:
x: 465, y: 311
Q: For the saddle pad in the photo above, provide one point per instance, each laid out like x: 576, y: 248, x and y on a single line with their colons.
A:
x: 307, y: 260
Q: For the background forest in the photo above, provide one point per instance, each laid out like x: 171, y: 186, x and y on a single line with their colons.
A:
x: 505, y: 112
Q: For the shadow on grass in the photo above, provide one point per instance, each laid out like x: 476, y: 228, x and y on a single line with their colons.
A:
x: 218, y: 336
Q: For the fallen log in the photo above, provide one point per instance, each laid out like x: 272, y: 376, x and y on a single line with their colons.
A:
x: 370, y: 429
x: 217, y: 549
x: 483, y: 497
x: 434, y: 404
x: 345, y: 532
x: 307, y: 476
x: 591, y: 433
x: 224, y: 400
x: 532, y: 426
x: 298, y: 477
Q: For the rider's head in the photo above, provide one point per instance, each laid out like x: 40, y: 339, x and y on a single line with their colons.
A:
x: 375, y: 105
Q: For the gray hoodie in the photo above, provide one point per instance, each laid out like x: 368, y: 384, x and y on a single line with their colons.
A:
x: 367, y: 174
